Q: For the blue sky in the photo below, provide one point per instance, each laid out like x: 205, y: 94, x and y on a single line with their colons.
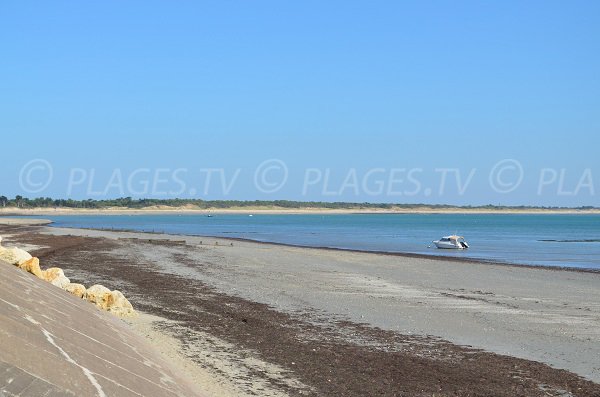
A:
x: 335, y: 86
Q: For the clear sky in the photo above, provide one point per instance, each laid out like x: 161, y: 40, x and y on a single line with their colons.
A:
x: 330, y: 89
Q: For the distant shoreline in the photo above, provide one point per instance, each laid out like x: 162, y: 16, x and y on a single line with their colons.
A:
x: 7, y: 221
x: 163, y: 210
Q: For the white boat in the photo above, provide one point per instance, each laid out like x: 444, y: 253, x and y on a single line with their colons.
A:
x: 452, y: 242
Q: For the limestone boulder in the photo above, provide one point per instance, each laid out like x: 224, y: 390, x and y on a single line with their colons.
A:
x: 76, y: 289
x: 98, y: 295
x: 14, y: 256
x: 32, y: 266
x: 56, y: 276
x: 119, y: 305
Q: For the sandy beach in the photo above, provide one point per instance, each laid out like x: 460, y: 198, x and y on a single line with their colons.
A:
x: 244, y: 318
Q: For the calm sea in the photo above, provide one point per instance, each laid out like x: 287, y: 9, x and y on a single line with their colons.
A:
x: 550, y: 240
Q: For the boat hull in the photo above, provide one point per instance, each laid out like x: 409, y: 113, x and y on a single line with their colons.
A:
x: 450, y: 245
x: 447, y: 246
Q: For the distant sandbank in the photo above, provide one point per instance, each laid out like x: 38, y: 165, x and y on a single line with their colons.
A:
x: 24, y: 221
x: 189, y: 210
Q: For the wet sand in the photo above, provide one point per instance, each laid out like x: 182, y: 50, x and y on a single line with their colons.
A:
x: 262, y: 319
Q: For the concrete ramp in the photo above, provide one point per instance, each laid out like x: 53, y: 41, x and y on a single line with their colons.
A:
x: 54, y: 344
x: 16, y: 382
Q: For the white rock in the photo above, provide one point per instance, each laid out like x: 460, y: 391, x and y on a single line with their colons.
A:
x: 14, y: 256
x: 56, y: 276
x: 119, y: 305
x: 98, y: 294
x: 61, y: 282
x: 76, y: 289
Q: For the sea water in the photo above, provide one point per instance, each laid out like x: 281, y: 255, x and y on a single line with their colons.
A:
x: 564, y: 240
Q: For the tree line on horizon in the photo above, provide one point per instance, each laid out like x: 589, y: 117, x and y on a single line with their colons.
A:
x: 130, y: 203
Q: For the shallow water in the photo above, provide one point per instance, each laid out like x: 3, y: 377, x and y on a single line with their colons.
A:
x: 514, y: 238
